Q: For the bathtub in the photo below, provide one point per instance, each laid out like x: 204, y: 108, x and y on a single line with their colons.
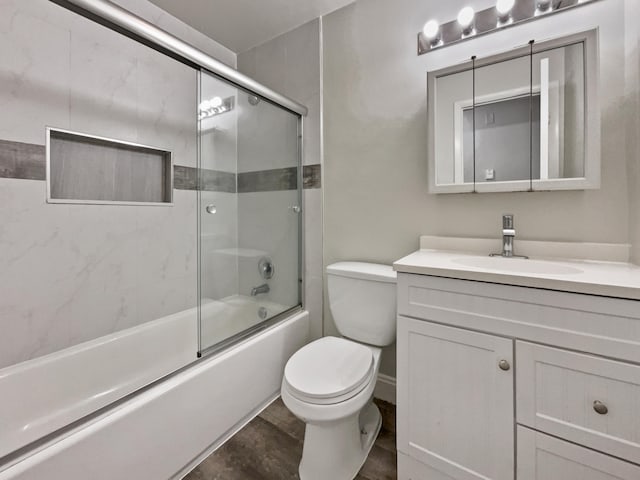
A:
x: 43, y: 395
x: 226, y: 318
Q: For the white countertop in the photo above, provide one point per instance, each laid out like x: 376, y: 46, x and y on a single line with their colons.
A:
x: 612, y: 279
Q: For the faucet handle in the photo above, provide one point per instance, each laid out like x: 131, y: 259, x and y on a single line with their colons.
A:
x: 507, y: 221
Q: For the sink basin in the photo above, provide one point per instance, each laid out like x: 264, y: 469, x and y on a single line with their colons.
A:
x: 517, y: 265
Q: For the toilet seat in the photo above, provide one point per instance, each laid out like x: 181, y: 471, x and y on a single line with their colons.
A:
x: 329, y: 370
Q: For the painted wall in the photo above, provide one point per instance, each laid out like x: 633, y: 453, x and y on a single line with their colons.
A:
x: 291, y: 65
x: 632, y: 109
x: 71, y: 273
x: 376, y: 200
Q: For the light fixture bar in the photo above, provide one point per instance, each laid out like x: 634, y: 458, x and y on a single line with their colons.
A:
x: 489, y: 21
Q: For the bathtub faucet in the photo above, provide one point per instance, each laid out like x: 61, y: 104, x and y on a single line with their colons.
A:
x: 264, y: 288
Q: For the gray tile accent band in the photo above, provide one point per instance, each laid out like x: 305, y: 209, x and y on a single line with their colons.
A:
x: 268, y: 180
x: 186, y: 178
x: 27, y: 161
x: 311, y: 176
x: 279, y: 179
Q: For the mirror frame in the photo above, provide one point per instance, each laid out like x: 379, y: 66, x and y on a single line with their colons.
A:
x: 591, y: 137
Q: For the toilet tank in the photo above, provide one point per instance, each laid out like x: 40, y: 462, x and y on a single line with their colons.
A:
x: 362, y: 299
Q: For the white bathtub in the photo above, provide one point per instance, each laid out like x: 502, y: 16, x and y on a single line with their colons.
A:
x: 222, y: 319
x: 43, y: 395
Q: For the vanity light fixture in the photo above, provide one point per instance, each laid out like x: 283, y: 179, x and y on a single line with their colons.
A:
x: 466, y: 20
x: 431, y: 31
x: 504, y: 14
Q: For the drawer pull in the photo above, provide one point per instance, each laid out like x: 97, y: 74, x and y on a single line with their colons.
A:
x: 600, y: 407
x: 504, y: 365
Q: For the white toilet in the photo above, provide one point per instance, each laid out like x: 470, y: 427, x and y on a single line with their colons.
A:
x: 329, y: 383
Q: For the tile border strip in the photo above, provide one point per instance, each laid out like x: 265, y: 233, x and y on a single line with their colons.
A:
x: 26, y: 161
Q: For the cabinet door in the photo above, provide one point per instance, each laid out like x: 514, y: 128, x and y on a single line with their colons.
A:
x: 455, y: 400
x: 541, y: 457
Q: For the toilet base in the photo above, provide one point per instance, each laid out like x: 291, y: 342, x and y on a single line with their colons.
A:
x: 337, y: 450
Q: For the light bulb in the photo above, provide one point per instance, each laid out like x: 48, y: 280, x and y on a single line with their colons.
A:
x: 431, y: 29
x: 504, y: 7
x: 465, y: 17
x: 216, y: 102
x: 543, y: 6
x: 205, y: 105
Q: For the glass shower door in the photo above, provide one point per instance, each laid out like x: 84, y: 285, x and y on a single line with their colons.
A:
x: 250, y: 212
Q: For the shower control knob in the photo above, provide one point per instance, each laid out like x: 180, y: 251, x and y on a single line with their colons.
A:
x: 211, y: 209
x: 504, y: 365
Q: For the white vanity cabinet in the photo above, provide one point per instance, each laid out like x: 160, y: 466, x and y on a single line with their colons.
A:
x: 500, y: 382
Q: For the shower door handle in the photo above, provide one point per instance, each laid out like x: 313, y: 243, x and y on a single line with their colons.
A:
x: 211, y: 209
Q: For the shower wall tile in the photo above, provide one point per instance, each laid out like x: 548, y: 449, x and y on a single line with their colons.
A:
x: 219, y: 237
x: 266, y: 222
x: 268, y: 180
x: 22, y: 160
x: 34, y: 71
x: 104, y: 80
x: 217, y: 181
x: 71, y: 273
x: 312, y: 176
x: 166, y: 105
x: 313, y: 258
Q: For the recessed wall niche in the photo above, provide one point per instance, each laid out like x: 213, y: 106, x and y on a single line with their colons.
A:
x: 89, y: 169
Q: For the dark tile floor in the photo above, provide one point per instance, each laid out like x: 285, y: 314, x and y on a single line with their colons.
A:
x: 270, y: 447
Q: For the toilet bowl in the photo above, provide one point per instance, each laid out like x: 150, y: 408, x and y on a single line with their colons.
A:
x: 329, y: 383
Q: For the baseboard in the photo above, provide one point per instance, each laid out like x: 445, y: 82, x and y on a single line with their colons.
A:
x: 385, y: 388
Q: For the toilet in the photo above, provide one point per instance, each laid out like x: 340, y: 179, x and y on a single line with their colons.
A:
x: 329, y: 383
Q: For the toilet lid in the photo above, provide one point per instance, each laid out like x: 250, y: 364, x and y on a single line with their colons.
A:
x: 328, y: 368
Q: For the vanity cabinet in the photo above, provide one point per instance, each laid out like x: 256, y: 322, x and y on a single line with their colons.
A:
x: 491, y: 375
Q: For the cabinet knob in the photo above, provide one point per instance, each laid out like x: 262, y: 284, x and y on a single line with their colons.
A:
x: 504, y: 365
x: 600, y: 407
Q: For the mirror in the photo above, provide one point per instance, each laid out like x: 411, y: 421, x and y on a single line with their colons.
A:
x: 520, y: 121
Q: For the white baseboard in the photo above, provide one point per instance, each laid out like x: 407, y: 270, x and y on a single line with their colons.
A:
x: 385, y: 388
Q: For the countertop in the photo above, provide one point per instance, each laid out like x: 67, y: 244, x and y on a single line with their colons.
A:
x: 611, y: 279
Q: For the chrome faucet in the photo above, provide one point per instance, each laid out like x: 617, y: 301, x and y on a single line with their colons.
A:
x: 508, y: 235
x: 264, y: 288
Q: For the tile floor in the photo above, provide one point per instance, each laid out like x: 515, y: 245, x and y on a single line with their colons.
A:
x: 270, y: 447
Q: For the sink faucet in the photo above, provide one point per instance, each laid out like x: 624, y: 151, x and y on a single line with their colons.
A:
x: 264, y: 288
x: 508, y: 235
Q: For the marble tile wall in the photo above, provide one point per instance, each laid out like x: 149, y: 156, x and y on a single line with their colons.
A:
x: 71, y: 273
x: 291, y: 64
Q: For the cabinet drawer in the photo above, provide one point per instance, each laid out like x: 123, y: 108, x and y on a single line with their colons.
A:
x: 585, y: 399
x: 541, y: 457
x: 604, y: 326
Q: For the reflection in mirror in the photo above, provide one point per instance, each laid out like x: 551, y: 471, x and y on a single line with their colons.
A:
x: 526, y: 119
x: 454, y: 89
x: 559, y: 77
x: 504, y: 107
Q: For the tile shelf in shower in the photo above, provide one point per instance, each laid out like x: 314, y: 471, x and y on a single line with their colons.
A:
x: 241, y: 252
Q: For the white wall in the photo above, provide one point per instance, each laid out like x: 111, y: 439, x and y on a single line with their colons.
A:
x: 290, y: 64
x: 376, y: 200
x: 71, y: 273
x: 632, y: 108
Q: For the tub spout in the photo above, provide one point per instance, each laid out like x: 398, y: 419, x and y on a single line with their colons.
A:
x: 264, y: 288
